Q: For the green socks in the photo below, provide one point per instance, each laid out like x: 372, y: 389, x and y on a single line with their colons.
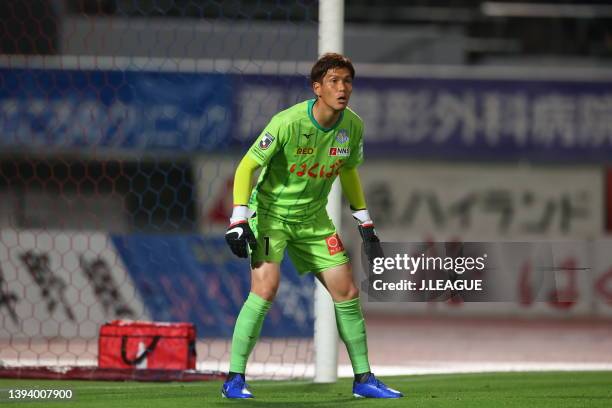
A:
x: 351, y: 327
x: 246, y: 331
x: 349, y: 320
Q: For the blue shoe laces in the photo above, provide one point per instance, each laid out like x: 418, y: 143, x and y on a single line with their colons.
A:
x: 379, y: 383
x: 376, y: 382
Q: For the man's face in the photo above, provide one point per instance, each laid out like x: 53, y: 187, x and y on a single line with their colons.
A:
x: 335, y: 88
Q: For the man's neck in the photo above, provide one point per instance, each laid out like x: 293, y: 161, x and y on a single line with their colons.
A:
x: 324, y: 115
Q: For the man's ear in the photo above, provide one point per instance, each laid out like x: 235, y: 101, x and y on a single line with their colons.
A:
x: 316, y: 88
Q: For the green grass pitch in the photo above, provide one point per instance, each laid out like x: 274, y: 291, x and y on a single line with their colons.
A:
x: 497, y: 390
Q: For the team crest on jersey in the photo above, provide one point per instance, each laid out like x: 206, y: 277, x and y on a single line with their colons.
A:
x: 342, y: 136
x: 340, y: 151
x: 334, y: 245
x: 266, y: 141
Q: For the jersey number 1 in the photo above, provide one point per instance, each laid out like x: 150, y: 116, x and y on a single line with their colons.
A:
x: 267, y: 239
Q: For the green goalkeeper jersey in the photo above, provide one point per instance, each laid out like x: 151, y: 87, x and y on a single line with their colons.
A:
x: 301, y: 160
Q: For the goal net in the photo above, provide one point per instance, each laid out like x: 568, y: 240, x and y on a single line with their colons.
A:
x: 121, y: 123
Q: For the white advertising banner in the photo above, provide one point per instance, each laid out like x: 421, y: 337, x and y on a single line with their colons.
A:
x: 62, y: 284
x: 483, y: 202
x: 430, y: 202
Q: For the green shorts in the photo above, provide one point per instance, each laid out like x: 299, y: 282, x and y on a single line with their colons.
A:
x: 313, y: 246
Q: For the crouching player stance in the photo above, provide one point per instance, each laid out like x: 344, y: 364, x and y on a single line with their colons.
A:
x: 302, y: 150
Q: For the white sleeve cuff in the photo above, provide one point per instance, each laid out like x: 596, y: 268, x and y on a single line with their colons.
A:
x: 241, y: 213
x: 362, y: 216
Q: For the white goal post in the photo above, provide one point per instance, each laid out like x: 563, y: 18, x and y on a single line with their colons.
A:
x: 331, y: 32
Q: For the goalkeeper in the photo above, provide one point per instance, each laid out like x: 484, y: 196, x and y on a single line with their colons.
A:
x: 301, y: 151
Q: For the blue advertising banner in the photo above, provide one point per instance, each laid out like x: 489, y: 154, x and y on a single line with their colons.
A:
x: 118, y: 110
x: 196, y: 279
x: 464, y: 118
x: 450, y: 118
x: 487, y: 119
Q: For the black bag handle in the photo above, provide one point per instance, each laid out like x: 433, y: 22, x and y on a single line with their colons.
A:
x: 144, y: 354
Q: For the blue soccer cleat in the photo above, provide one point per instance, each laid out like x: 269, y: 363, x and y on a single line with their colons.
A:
x: 236, y: 388
x: 374, y: 388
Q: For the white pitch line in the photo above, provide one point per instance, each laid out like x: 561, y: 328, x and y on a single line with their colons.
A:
x: 277, y: 371
x: 287, y: 371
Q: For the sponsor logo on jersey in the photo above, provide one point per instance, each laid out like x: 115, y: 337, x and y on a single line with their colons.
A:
x: 266, y: 141
x: 307, y: 135
x: 334, y: 245
x: 304, y: 151
x: 340, y: 151
x: 317, y: 170
x: 342, y: 136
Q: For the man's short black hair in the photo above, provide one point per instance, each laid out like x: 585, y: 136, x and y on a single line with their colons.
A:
x: 329, y: 61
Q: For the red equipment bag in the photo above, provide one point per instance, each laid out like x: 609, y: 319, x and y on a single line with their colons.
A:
x: 137, y: 344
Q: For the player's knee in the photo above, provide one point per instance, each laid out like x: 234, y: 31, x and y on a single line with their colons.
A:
x: 265, y: 279
x: 268, y: 295
x: 265, y: 291
x: 352, y: 293
x: 347, y: 293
